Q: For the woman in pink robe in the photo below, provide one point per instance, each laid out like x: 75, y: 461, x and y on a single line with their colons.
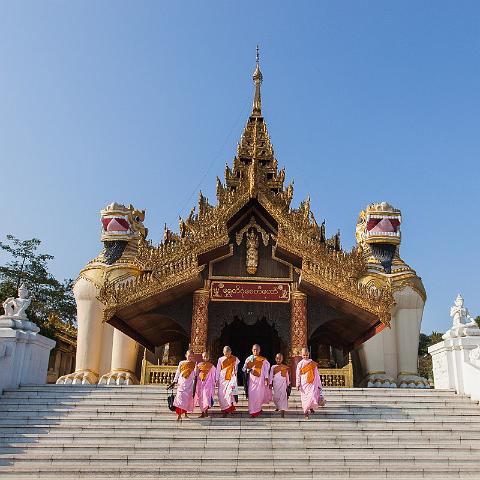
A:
x: 184, y: 379
x: 226, y: 371
x: 205, y: 385
x: 279, y: 381
x: 309, y: 384
x: 257, y: 368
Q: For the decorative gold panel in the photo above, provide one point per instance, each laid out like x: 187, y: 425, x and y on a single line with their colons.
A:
x: 157, y: 374
x: 337, y: 377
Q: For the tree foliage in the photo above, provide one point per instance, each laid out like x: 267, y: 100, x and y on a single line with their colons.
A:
x: 49, y: 295
x: 425, y: 368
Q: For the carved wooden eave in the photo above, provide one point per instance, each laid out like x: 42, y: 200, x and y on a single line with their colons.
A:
x: 253, y: 181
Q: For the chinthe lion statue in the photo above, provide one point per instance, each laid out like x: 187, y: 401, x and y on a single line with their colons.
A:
x: 389, y: 359
x: 104, y: 354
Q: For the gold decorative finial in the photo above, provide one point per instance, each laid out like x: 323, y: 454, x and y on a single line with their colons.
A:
x: 257, y: 79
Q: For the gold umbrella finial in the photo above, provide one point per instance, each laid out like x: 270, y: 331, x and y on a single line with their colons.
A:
x: 257, y: 79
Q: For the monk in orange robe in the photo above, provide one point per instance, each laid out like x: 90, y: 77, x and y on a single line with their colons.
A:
x: 279, y: 382
x: 184, y: 379
x: 226, y: 378
x: 205, y: 385
x: 257, y: 369
x: 309, y: 384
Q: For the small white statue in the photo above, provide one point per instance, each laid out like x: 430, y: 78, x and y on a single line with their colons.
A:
x: 460, y: 314
x: 16, y: 307
x: 463, y: 323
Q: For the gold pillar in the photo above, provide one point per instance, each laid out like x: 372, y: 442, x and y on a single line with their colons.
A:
x: 198, y: 341
x: 298, y: 322
x: 298, y: 329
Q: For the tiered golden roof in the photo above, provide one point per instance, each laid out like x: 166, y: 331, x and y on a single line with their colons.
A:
x: 254, y: 176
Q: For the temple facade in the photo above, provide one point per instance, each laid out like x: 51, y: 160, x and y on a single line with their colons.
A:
x: 250, y: 268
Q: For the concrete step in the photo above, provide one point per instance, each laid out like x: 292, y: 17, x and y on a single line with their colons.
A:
x: 247, y: 459
x: 154, y: 411
x: 242, y: 422
x: 202, y: 470
x: 196, y: 437
x: 382, y: 448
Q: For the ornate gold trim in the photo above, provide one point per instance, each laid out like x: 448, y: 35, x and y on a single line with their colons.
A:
x: 252, y: 224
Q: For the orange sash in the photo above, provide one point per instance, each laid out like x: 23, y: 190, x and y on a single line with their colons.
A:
x: 204, y: 368
x: 229, y: 363
x: 310, y: 371
x: 186, y: 369
x: 283, y: 369
x: 256, y: 366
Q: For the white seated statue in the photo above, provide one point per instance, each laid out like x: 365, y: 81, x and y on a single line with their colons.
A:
x: 463, y: 323
x: 24, y: 353
x: 16, y: 307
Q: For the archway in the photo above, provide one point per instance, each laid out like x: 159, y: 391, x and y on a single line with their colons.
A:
x: 241, y: 336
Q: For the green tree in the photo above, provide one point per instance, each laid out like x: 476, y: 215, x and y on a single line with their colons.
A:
x: 477, y: 319
x: 423, y: 344
x: 425, y: 368
x: 49, y: 295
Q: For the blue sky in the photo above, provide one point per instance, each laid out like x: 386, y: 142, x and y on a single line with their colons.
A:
x: 144, y: 102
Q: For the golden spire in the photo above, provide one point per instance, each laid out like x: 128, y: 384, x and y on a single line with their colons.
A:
x: 257, y: 79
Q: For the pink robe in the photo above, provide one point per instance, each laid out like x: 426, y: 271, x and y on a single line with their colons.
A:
x: 258, y: 392
x: 205, y: 389
x: 311, y: 393
x: 280, y: 384
x: 184, y: 397
x: 225, y: 400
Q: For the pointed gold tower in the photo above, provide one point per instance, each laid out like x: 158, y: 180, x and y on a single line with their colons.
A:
x: 255, y: 166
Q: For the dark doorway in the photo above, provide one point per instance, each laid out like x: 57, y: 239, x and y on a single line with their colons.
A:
x: 240, y: 337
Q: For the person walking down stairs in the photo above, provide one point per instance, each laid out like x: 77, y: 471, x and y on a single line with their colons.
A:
x: 185, y: 379
x: 309, y: 384
x: 279, y: 383
x: 257, y: 370
x: 205, y: 389
x: 226, y: 374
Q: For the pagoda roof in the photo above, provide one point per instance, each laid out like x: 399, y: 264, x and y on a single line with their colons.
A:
x: 252, y: 182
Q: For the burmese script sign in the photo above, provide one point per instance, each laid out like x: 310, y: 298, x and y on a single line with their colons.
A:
x: 250, y: 292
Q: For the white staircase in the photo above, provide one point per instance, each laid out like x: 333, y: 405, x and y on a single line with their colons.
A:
x: 56, y: 431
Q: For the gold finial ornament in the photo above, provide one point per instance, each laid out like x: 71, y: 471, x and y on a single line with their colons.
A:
x: 257, y: 79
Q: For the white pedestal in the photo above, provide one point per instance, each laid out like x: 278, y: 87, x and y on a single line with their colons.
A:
x: 23, y: 353
x: 456, y: 364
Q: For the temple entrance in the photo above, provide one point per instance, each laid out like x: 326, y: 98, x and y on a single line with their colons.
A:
x: 240, y: 337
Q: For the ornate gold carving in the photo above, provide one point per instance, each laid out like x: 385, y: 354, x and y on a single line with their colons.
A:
x: 252, y: 224
x: 159, y: 279
x: 199, y: 321
x: 337, y: 377
x: 298, y: 322
x: 254, y: 175
x: 157, y: 374
x: 252, y: 252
